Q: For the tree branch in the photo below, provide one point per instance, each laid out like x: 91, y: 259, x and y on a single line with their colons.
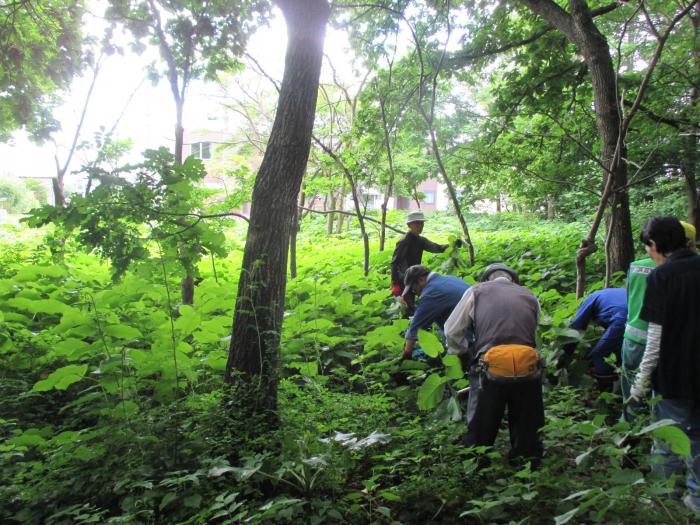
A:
x: 343, y: 212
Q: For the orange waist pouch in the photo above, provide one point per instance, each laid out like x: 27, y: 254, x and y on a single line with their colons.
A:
x: 511, y: 361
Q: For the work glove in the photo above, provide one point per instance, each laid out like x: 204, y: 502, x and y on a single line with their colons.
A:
x: 396, y: 290
x: 458, y: 243
x: 407, y: 354
x: 637, y: 393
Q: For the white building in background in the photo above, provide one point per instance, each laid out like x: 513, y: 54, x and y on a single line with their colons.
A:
x: 433, y: 192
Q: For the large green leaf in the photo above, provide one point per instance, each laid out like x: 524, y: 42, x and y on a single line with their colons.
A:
x: 431, y: 391
x: 62, y: 378
x: 39, y: 306
x: 675, y: 438
x: 188, y: 321
x: 32, y: 273
x: 430, y: 344
x: 453, y: 367
x: 122, y: 331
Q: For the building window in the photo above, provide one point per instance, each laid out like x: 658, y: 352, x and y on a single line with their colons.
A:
x: 429, y: 197
x: 201, y: 150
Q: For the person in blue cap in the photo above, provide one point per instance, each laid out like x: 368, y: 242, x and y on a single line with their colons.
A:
x: 606, y: 308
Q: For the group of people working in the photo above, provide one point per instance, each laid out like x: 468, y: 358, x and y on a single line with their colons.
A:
x: 652, y: 327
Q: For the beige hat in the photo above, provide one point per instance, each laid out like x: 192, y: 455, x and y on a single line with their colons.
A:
x: 415, y: 216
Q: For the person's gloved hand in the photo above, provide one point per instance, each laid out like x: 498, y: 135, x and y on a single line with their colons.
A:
x: 637, y: 393
x: 458, y: 243
x: 396, y: 290
x: 407, y: 353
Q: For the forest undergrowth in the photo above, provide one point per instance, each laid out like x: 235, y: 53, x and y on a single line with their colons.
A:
x: 113, y: 407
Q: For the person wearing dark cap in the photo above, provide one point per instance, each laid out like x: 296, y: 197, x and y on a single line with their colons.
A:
x: 671, y: 362
x: 504, y: 367
x: 438, y: 295
x: 409, y: 252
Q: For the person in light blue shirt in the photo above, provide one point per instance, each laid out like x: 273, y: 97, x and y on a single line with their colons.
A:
x: 606, y: 308
x: 439, y: 294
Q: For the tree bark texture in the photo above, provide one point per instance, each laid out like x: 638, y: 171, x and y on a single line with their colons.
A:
x: 689, y: 163
x: 341, y: 206
x: 293, y: 237
x: 257, y: 322
x: 59, y: 196
x: 331, y: 217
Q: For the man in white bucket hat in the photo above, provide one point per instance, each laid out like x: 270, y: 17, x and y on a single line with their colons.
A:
x: 409, y: 252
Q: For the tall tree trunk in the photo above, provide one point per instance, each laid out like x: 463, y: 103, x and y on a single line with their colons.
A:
x: 187, y: 283
x: 580, y: 29
x: 257, y: 322
x: 59, y: 195
x: 689, y: 163
x: 179, y: 130
x: 355, y: 199
x: 550, y: 207
x: 452, y: 193
x: 689, y: 168
x: 293, y: 238
x: 390, y: 183
x: 414, y: 195
x: 498, y: 204
x: 341, y: 207
x: 330, y: 219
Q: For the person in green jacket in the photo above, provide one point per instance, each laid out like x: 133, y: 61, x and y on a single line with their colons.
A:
x: 635, y: 338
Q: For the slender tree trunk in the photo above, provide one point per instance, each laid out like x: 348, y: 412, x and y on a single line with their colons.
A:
x: 689, y: 168
x: 498, y: 204
x: 341, y: 207
x: 59, y: 196
x: 453, y: 194
x: 179, y: 131
x: 390, y: 183
x: 293, y: 239
x: 330, y: 219
x: 550, y: 207
x: 580, y: 29
x: 57, y: 182
x: 255, y: 338
x: 187, y: 289
x: 414, y: 195
x: 187, y: 283
x: 689, y: 163
x: 355, y: 198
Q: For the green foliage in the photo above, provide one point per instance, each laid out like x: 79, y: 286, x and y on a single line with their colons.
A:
x: 15, y: 196
x: 125, y: 220
x: 113, y: 407
x: 41, y: 47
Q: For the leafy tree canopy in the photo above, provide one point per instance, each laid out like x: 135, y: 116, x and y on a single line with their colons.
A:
x: 41, y: 45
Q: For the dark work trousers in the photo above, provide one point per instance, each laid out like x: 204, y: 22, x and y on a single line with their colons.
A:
x: 488, y: 400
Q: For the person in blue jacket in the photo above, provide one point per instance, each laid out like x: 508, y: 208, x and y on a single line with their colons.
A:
x: 438, y: 295
x: 606, y: 308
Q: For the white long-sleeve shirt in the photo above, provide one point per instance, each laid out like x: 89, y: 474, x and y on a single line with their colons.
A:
x: 459, y: 324
x: 651, y: 358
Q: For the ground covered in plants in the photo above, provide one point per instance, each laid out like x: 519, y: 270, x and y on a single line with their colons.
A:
x: 113, y: 407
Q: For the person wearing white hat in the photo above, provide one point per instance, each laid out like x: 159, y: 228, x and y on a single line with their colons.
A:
x: 409, y: 252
